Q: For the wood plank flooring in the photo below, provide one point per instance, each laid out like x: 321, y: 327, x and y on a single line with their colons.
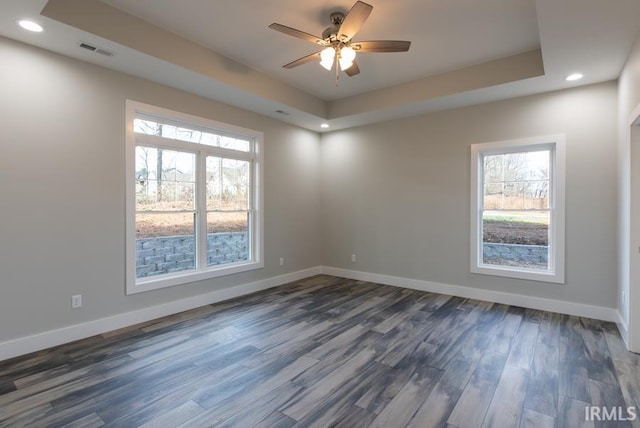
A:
x: 328, y: 351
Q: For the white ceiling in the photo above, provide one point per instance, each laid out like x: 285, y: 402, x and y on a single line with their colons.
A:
x: 224, y: 50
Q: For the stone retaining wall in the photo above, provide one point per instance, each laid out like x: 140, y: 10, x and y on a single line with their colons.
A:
x: 166, y: 254
x: 526, y: 254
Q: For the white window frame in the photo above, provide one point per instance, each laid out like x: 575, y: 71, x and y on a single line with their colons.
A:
x: 256, y: 239
x: 556, y: 144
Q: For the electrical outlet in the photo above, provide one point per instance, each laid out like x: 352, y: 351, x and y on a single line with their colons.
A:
x: 76, y: 301
x: 353, y: 257
x: 281, y: 261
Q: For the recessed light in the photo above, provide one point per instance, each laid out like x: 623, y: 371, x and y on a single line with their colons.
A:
x: 30, y: 25
x: 574, y: 76
x: 324, y: 125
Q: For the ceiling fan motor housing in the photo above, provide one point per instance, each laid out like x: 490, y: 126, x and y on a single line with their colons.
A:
x: 337, y: 18
x: 331, y: 33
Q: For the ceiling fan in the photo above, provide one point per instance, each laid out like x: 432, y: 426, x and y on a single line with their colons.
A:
x: 339, y: 48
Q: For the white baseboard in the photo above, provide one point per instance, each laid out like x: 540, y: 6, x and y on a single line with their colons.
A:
x: 623, y: 329
x: 47, y: 339
x: 563, y: 307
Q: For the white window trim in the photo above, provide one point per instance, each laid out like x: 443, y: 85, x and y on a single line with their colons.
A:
x: 556, y: 272
x: 134, y: 285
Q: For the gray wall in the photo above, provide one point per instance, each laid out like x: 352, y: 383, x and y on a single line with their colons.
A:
x: 62, y: 185
x: 397, y: 193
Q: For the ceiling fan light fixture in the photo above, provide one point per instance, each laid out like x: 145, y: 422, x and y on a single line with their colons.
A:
x: 338, y: 47
x: 326, y: 57
x: 347, y: 56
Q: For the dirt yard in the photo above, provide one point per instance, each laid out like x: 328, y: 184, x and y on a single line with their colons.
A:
x: 505, y: 232
x: 514, y: 232
x: 150, y: 225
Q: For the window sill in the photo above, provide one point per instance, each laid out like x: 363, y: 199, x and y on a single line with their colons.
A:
x: 164, y: 281
x: 531, y: 275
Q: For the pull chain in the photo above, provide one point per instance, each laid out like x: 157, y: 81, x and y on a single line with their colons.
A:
x: 337, y: 64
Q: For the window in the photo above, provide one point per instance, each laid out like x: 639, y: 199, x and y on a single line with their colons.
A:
x: 194, y: 204
x: 517, y: 208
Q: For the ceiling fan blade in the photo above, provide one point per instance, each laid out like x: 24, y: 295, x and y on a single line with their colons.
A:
x: 354, y: 19
x: 305, y: 59
x: 382, y: 46
x: 353, y: 70
x: 297, y: 33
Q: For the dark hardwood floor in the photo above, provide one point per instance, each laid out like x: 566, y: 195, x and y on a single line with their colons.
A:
x: 327, y: 351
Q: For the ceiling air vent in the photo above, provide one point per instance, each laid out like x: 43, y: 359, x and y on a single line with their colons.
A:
x: 97, y: 50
